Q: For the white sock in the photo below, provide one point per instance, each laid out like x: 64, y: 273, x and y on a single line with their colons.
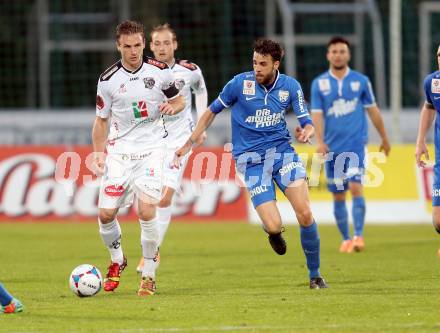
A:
x: 111, y: 235
x: 163, y: 218
x: 150, y: 246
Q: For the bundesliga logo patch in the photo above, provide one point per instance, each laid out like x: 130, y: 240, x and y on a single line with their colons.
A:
x: 435, y: 86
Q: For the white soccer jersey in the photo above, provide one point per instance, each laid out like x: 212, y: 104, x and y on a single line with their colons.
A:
x: 188, y: 78
x: 131, y: 100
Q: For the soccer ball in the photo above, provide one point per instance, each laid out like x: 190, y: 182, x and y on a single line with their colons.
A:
x: 85, y: 280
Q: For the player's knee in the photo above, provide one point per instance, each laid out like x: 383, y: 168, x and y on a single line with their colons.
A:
x: 165, y: 202
x: 147, y: 214
x: 106, y: 215
x: 304, y: 217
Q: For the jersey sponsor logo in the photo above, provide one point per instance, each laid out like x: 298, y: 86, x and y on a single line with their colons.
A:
x: 342, y: 107
x: 355, y: 86
x: 324, y: 85
x: 248, y: 87
x: 258, y: 190
x: 99, y: 102
x: 264, y: 118
x: 180, y: 83
x: 140, y: 109
x: 134, y: 78
x: 436, y: 193
x: 114, y: 190
x: 283, y: 95
x: 149, y: 82
x: 150, y: 172
x: 435, y: 86
x: 300, y: 101
x: 289, y: 167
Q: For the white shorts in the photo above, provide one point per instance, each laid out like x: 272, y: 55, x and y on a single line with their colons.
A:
x: 173, y: 175
x: 127, y: 175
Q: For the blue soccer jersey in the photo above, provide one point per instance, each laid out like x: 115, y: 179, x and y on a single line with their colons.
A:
x: 431, y: 87
x: 343, y: 104
x: 257, y: 113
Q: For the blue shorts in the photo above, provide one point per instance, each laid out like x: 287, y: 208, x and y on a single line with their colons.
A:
x: 436, y: 185
x: 282, y: 166
x: 344, y: 168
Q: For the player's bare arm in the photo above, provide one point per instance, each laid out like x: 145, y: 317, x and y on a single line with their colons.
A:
x: 172, y: 106
x: 318, y: 121
x: 99, y: 139
x: 427, y: 117
x: 201, y: 101
x: 202, y: 125
x: 377, y: 120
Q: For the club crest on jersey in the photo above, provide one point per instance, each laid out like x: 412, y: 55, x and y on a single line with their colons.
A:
x: 435, y: 86
x: 180, y: 83
x: 355, y: 85
x: 140, y: 109
x: 248, y: 87
x: 149, y: 82
x: 122, y: 89
x: 283, y: 95
x: 324, y: 85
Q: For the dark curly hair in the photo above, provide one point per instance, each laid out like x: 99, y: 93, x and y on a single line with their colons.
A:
x: 267, y: 46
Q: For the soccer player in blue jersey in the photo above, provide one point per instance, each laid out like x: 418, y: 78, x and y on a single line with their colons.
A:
x: 430, y: 110
x: 339, y: 98
x: 261, y: 146
x: 8, y: 303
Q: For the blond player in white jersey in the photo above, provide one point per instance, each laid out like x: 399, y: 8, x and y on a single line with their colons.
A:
x: 189, y: 79
x: 133, y: 96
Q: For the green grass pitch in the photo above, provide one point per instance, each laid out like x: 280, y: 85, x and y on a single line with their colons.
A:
x: 224, y: 278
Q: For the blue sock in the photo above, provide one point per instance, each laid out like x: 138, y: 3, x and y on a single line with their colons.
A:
x: 341, y: 216
x: 358, y: 212
x: 5, y: 297
x: 310, y: 245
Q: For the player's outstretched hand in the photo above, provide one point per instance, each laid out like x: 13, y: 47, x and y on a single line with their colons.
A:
x: 322, y: 149
x: 98, y: 163
x: 181, y: 152
x: 385, y: 147
x: 201, y: 139
x: 167, y: 108
x: 303, y: 135
x: 421, y: 150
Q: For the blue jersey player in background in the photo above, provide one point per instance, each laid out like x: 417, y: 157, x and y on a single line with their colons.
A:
x: 261, y: 146
x: 430, y: 111
x: 339, y: 98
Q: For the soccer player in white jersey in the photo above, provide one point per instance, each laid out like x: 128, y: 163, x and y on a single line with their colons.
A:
x: 133, y: 95
x: 189, y: 78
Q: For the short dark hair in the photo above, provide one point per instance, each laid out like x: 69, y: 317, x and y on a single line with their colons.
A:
x: 267, y: 46
x: 163, y: 27
x: 129, y: 28
x: 338, y: 40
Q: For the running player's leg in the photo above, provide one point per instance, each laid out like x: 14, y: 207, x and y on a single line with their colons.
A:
x: 355, y: 173
x: 8, y: 303
x: 338, y: 188
x: 290, y: 176
x: 115, y: 192
x: 262, y: 192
